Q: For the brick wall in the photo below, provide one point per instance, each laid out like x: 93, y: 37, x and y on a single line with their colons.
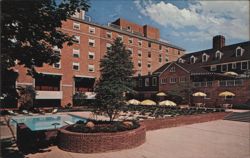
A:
x: 100, y: 142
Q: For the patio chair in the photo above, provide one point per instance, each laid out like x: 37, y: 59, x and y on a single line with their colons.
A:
x: 68, y: 122
x: 25, y: 112
x: 11, y: 112
x: 55, y: 111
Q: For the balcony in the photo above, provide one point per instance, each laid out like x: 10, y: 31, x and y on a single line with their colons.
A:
x: 230, y: 83
x: 49, y: 94
x: 203, y: 84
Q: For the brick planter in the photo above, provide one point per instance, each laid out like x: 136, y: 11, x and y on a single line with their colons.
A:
x: 182, y: 120
x: 100, y: 142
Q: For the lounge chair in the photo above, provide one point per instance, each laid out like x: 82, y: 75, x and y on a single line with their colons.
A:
x: 54, y: 111
x: 11, y: 112
x: 25, y: 112
x: 68, y: 122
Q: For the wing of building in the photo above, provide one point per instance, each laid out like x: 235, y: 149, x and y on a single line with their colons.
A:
x: 211, y: 71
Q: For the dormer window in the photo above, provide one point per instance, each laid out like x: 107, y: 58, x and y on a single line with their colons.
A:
x: 239, y: 51
x: 181, y: 60
x: 218, y: 55
x: 192, y: 59
x: 204, y: 57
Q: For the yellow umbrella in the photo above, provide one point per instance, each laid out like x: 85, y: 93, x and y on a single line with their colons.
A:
x: 226, y: 94
x: 161, y: 94
x: 231, y: 73
x: 134, y: 102
x: 167, y: 103
x: 148, y: 102
x: 199, y: 94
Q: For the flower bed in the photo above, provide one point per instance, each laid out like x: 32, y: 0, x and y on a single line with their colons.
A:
x: 100, y: 142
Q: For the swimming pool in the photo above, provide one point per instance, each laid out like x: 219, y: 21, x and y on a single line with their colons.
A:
x: 45, y: 122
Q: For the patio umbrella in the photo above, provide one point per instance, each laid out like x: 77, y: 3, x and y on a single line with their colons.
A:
x: 161, y: 94
x: 199, y: 94
x: 226, y: 94
x: 148, y: 102
x: 231, y: 73
x: 167, y: 103
x: 134, y: 102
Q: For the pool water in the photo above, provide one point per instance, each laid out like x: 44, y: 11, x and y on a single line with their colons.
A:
x: 36, y: 123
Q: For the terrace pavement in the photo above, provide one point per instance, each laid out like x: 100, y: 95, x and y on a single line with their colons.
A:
x: 216, y: 139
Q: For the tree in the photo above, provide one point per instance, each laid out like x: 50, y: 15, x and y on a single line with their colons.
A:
x: 116, y: 79
x: 31, y: 29
x: 27, y: 97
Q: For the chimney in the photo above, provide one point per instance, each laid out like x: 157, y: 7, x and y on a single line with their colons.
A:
x: 218, y: 42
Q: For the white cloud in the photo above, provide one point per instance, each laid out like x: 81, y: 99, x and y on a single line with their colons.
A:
x: 206, y: 18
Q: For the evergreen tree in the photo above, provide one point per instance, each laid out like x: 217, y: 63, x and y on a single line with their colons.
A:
x: 116, y: 79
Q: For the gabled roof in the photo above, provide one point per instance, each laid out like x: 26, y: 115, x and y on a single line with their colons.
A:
x: 228, y: 54
x: 162, y: 68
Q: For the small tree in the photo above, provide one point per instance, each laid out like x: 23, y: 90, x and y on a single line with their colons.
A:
x: 116, y: 78
x: 27, y: 97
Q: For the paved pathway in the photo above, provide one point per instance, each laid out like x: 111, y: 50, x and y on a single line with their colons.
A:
x: 217, y: 139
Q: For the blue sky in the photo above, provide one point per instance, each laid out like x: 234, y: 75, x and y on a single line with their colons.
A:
x: 188, y: 24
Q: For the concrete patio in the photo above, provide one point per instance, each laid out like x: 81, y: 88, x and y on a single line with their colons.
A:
x: 216, y: 139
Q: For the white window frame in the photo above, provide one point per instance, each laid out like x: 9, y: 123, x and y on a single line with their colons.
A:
x: 108, y: 46
x: 206, y: 56
x: 172, y: 80
x: 91, y: 67
x: 92, y: 41
x: 149, y: 63
x: 172, y: 69
x: 130, y: 39
x: 213, y: 68
x: 234, y: 66
x: 163, y: 80
x: 242, y: 64
x: 78, y: 38
x: 220, y: 55
x: 110, y: 34
x: 140, y: 43
x: 146, y: 83
x: 192, y: 57
x: 241, y: 51
x: 76, y: 26
x: 76, y: 64
x: 59, y: 63
x: 91, y: 53
x: 181, y: 79
x: 91, y: 30
x: 160, y: 58
x: 139, y: 62
x: 120, y: 36
x: 131, y: 50
x: 139, y: 52
x: 222, y: 68
x: 76, y: 52
x: 59, y: 50
x: 154, y: 81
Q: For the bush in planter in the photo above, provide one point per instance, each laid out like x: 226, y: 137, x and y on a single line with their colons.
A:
x: 242, y: 106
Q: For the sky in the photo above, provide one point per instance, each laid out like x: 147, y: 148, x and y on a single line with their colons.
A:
x: 188, y: 24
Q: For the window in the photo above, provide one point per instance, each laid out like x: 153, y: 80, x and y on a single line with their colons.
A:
x: 204, y: 58
x: 172, y: 80
x: 154, y: 81
x: 149, y: 65
x: 131, y: 50
x: 218, y: 55
x: 183, y: 79
x: 180, y: 60
x: 91, y: 42
x: 108, y: 46
x: 239, y: 51
x: 76, y: 26
x: 224, y: 68
x: 129, y: 28
x: 167, y: 50
x: 166, y: 59
x: 76, y: 66
x: 160, y: 47
x: 160, y: 58
x: 139, y: 53
x: 76, y: 53
x: 139, y: 63
x: 234, y: 66
x: 109, y: 34
x: 139, y: 43
x: 92, y: 30
x: 213, y: 68
x: 172, y: 69
x: 149, y: 44
x: 146, y: 82
x: 130, y: 40
x: 91, y: 55
x: 163, y: 80
x: 179, y: 52
x: 57, y: 65
x: 244, y: 65
x: 192, y: 59
x: 149, y: 54
x: 140, y: 82
x: 120, y: 36
x: 91, y: 68
x: 77, y: 39
x: 76, y: 15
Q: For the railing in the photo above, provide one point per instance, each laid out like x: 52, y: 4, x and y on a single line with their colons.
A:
x: 230, y: 83
x: 46, y: 88
x: 203, y: 84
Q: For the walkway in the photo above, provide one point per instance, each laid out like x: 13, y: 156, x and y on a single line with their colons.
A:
x: 217, y: 139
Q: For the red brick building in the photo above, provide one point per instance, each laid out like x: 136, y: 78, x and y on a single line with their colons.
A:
x: 78, y: 68
x: 205, y: 71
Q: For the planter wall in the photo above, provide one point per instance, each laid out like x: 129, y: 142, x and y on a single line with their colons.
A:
x: 100, y: 142
x: 182, y: 120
